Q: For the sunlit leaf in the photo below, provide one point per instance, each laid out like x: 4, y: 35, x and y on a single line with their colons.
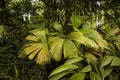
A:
x: 78, y: 76
x: 80, y: 38
x: 32, y: 38
x: 40, y: 34
x: 43, y: 57
x: 115, y: 61
x: 62, y: 68
x: 34, y: 53
x: 56, y: 48
x: 60, y: 75
x: 99, y: 39
x: 38, y: 47
x: 106, y: 61
x: 110, y: 31
x: 70, y: 49
x: 73, y: 60
x: 91, y: 43
x: 107, y: 72
x: 90, y: 58
x: 77, y: 36
x: 87, y: 68
x: 29, y: 48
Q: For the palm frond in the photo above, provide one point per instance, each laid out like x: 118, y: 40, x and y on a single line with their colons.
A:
x: 77, y: 36
x: 70, y: 49
x: 76, y: 21
x: 80, y: 38
x: 56, y: 45
x: 98, y: 39
x: 110, y: 31
x: 43, y: 57
x: 90, y: 57
x: 38, y: 48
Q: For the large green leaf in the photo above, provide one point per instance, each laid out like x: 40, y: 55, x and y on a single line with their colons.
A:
x: 90, y: 58
x: 29, y: 48
x: 62, y: 68
x: 70, y: 49
x: 115, y: 62
x: 60, y: 46
x: 106, y: 60
x: 76, y: 21
x: 78, y: 76
x: 87, y: 29
x: 37, y: 48
x: 73, y: 60
x: 110, y: 31
x: 99, y: 39
x: 40, y: 34
x: 96, y: 38
x: 87, y: 68
x: 78, y: 37
x: 56, y: 47
x: 60, y: 75
x: 43, y: 57
x: 91, y: 43
x: 32, y: 38
x: 107, y: 72
x: 95, y: 76
x: 34, y: 53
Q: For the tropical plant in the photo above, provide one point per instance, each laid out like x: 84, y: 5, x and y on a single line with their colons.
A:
x: 96, y: 63
x: 112, y: 35
x: 59, y: 45
x: 99, y: 69
x: 60, y: 30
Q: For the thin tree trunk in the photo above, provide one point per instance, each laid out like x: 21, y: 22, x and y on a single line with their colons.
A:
x: 3, y: 12
x: 68, y: 13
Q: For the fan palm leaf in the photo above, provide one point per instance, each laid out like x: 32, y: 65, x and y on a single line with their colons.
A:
x: 94, y: 35
x: 38, y: 48
x: 98, y: 39
x: 56, y: 45
x: 80, y: 38
x: 70, y: 49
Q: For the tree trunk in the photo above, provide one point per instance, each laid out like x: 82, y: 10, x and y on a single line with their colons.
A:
x: 68, y: 12
x: 3, y: 12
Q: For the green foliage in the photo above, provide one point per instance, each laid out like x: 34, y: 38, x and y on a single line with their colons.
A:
x: 38, y: 49
x: 66, y: 67
x: 78, y: 76
x: 73, y: 60
x: 112, y: 35
x: 103, y: 69
x: 57, y: 31
x: 95, y: 76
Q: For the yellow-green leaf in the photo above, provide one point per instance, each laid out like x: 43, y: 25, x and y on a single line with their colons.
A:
x: 62, y: 68
x: 43, y: 57
x: 60, y: 75
x: 90, y: 58
x: 73, y: 60
x: 78, y: 76
x: 56, y: 49
x: 70, y: 49
x: 106, y: 60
